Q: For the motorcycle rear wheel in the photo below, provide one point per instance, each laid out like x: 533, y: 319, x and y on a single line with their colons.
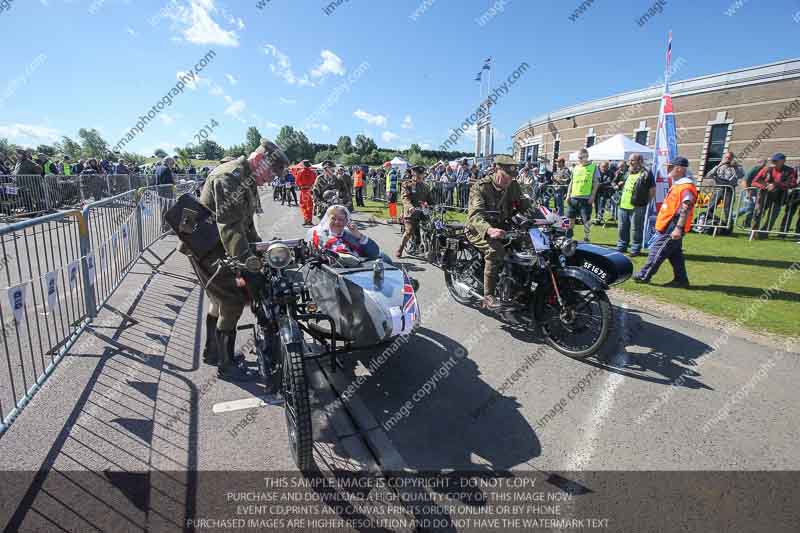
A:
x: 586, y: 311
x: 297, y: 407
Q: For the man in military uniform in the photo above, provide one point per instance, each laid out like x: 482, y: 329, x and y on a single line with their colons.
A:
x: 492, y: 202
x: 329, y: 182
x: 231, y: 193
x: 415, y: 194
x: 347, y: 179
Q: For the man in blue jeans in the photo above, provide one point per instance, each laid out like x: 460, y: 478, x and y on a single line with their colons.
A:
x: 582, y: 193
x: 638, y: 188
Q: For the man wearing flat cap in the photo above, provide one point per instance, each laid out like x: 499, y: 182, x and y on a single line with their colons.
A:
x: 415, y: 194
x: 231, y: 194
x: 674, y: 220
x: 25, y: 166
x: 329, y: 181
x: 492, y: 202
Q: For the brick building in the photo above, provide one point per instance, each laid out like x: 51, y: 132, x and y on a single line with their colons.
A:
x: 754, y: 112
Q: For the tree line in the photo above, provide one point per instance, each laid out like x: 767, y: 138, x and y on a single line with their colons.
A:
x: 363, y: 150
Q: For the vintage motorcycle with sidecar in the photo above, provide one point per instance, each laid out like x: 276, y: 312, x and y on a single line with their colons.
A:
x: 318, y: 304
x: 547, y: 282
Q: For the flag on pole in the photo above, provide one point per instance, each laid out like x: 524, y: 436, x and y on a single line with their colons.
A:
x: 666, y: 148
x: 487, y: 64
x: 478, y: 77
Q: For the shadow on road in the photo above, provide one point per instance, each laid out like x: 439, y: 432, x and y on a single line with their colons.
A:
x: 650, y: 352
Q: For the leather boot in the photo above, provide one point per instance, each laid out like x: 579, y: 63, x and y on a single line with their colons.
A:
x: 211, y: 352
x: 227, y: 368
x: 489, y: 284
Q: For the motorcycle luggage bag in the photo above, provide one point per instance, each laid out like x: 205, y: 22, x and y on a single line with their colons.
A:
x: 194, y: 225
x: 609, y: 265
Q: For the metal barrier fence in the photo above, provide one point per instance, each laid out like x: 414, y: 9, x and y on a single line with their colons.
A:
x: 714, y: 212
x: 758, y: 210
x: 31, y: 195
x: 58, y: 270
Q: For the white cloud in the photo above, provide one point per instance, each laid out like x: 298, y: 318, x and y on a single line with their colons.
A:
x: 193, y: 82
x: 271, y: 125
x: 236, y: 108
x: 228, y: 99
x: 282, y: 67
x: 231, y: 79
x: 216, y: 90
x: 287, y: 100
x: 325, y: 128
x: 407, y: 123
x: 375, y: 120
x: 195, y: 24
x: 388, y: 137
x: 29, y: 133
x: 132, y: 32
x: 425, y: 146
x: 166, y: 119
x: 331, y: 64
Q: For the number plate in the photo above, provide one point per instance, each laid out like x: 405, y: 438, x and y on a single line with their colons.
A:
x: 596, y: 270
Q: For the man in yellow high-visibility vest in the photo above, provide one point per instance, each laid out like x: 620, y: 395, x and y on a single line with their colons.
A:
x: 638, y: 188
x: 582, y: 192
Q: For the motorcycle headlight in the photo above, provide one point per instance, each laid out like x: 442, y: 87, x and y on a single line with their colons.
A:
x: 279, y: 256
x: 568, y: 247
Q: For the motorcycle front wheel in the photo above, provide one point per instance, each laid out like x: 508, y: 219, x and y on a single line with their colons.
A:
x: 459, y: 277
x: 296, y: 407
x: 579, y: 328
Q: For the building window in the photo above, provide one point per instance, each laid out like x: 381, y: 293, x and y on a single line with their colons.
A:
x: 589, y: 141
x: 534, y: 152
x: 716, y: 146
x: 556, y: 148
x: 641, y: 137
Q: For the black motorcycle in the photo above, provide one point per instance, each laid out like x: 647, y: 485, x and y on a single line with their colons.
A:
x: 304, y: 312
x: 434, y: 229
x: 547, y: 282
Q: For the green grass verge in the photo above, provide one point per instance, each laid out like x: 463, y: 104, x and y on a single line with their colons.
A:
x: 728, y: 275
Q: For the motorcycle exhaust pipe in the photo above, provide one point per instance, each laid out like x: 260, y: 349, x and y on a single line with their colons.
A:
x: 464, y: 288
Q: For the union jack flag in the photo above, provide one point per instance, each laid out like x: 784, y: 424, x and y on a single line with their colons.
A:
x: 410, y: 309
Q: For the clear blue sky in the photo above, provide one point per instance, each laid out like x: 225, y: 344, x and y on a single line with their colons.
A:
x: 108, y: 61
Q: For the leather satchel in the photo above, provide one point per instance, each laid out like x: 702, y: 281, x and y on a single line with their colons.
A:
x: 195, y: 226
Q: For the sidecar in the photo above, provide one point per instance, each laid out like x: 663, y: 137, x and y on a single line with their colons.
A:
x: 611, y: 266
x: 367, y: 308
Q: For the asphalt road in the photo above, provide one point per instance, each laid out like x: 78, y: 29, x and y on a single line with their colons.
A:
x: 134, y: 397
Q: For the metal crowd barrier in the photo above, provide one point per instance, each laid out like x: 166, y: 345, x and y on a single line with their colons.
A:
x: 757, y: 212
x: 57, y: 271
x: 714, y: 210
x: 32, y: 195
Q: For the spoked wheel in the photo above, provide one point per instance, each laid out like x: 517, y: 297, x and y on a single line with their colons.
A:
x: 460, y: 276
x: 582, y: 325
x: 296, y: 407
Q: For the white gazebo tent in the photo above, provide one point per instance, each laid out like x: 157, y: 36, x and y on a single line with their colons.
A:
x: 400, y: 164
x: 617, y: 148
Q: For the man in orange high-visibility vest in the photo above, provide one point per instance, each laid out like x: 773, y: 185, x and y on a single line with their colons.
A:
x: 673, y: 221
x: 305, y: 179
